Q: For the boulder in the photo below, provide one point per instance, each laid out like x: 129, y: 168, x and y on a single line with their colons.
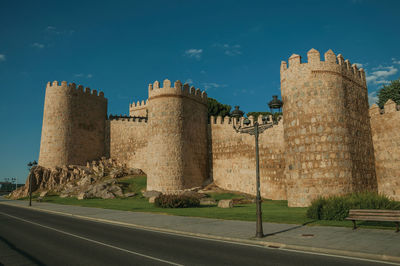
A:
x: 43, y: 194
x: 130, y: 194
x: 117, y: 173
x: 207, y: 201
x: 105, y: 195
x: 228, y: 203
x: 151, y: 193
x: 85, y: 181
x: 82, y: 196
x: 194, y: 194
x: 135, y: 171
x: 116, y: 190
x: 152, y: 199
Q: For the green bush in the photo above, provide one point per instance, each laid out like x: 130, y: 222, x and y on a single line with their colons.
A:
x: 337, y: 207
x: 176, y: 201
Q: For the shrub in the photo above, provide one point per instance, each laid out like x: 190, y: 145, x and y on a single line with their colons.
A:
x: 176, y: 201
x: 337, y: 207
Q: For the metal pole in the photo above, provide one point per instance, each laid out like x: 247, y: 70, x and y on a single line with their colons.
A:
x: 259, y: 232
x: 30, y: 188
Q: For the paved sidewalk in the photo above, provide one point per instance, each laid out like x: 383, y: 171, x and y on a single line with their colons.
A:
x: 365, y: 243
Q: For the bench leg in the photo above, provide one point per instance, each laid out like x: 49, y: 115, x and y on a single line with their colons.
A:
x: 354, y: 224
x: 397, y: 227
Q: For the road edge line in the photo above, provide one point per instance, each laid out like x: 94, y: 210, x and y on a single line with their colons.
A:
x: 322, y: 251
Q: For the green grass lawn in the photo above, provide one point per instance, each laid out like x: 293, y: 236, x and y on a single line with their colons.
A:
x: 275, y: 211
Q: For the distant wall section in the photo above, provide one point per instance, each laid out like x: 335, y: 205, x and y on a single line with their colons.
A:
x: 139, y: 109
x: 386, y: 139
x: 127, y: 142
x: 233, y: 164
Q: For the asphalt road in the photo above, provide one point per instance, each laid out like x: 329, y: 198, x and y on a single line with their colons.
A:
x: 29, y: 237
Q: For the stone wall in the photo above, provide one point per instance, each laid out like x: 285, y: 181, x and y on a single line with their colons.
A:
x: 127, y: 142
x: 177, y: 137
x: 328, y: 144
x: 73, y: 130
x: 385, y: 126
x: 232, y: 159
x: 138, y: 109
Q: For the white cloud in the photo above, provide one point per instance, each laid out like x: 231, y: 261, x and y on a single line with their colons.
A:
x: 52, y: 29
x: 380, y: 74
x: 372, y: 98
x: 395, y: 61
x: 230, y: 50
x: 189, y: 81
x: 81, y: 75
x: 213, y: 85
x: 203, y: 72
x: 358, y: 65
x: 194, y: 53
x: 2, y: 57
x: 38, y: 45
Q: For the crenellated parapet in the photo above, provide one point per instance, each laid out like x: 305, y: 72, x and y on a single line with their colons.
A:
x: 79, y: 90
x: 389, y: 107
x: 178, y: 90
x: 333, y: 64
x: 126, y: 118
x: 138, y: 109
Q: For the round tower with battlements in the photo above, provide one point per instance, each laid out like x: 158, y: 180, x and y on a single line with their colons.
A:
x: 177, y: 141
x: 328, y: 143
x: 73, y: 130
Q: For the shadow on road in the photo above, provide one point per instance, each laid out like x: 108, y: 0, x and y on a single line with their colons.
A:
x: 21, y: 252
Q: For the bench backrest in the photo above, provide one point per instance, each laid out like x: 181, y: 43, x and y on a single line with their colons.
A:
x: 393, y: 215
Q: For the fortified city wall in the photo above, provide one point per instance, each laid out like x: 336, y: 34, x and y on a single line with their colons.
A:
x: 73, y: 130
x: 127, y: 141
x: 233, y: 165
x: 385, y: 126
x: 177, y: 137
x: 328, y: 143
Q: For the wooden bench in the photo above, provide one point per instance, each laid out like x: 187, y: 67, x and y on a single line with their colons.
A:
x: 375, y: 215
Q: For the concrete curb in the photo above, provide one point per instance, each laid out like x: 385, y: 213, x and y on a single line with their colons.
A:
x: 275, y: 245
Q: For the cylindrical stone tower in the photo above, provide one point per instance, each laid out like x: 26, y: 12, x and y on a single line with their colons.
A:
x: 328, y: 143
x: 73, y: 130
x: 177, y: 141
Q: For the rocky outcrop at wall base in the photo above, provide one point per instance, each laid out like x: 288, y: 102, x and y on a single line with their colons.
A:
x: 97, y: 179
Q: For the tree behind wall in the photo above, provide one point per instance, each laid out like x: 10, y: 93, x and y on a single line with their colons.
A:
x: 216, y: 108
x: 391, y: 91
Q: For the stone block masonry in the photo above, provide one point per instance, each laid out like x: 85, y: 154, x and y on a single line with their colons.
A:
x: 385, y: 126
x: 328, y: 143
x: 177, y: 150
x: 73, y: 130
x: 233, y: 165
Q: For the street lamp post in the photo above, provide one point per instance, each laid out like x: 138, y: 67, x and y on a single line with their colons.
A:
x: 255, y: 130
x: 14, y: 180
x: 30, y: 165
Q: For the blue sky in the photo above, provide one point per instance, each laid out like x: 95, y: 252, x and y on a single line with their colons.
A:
x: 233, y: 49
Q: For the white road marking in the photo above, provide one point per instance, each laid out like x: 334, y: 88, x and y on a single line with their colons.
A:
x: 164, y: 231
x: 94, y: 241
